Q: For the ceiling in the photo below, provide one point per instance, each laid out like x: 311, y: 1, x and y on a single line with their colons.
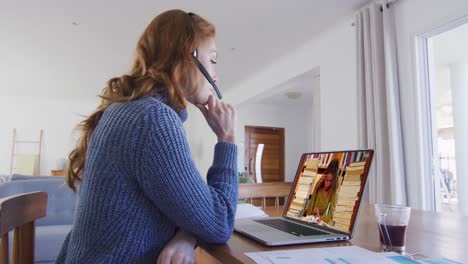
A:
x: 298, y: 91
x: 72, y: 48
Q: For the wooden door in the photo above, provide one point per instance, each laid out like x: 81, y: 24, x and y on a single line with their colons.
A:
x: 272, y: 163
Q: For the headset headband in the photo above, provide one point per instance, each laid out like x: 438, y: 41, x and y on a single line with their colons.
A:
x: 200, y: 66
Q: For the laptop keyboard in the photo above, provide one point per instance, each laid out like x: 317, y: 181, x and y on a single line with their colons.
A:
x: 291, y: 228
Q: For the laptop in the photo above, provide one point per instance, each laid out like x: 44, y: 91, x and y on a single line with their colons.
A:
x: 323, y: 203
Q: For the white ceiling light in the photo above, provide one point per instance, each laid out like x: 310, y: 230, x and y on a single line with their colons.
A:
x: 293, y: 95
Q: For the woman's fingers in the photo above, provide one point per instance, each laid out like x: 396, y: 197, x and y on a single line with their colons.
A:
x: 203, y: 110
x: 211, y: 102
x: 220, y: 117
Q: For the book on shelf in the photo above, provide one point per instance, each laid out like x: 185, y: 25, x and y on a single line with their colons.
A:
x: 350, y: 193
x: 341, y: 227
x: 351, y: 183
x: 344, y: 208
x: 343, y: 215
x: 298, y: 201
x: 309, y: 173
x: 347, y: 197
x: 352, y: 177
x: 321, y: 158
x: 312, y: 164
x: 298, y: 204
x: 303, y: 195
x: 302, y: 191
x: 346, y: 202
x: 330, y: 158
x: 303, y: 186
x: 354, y: 170
x: 358, y: 157
x: 342, y: 221
x: 296, y: 207
x: 294, y: 203
x: 292, y: 215
x: 294, y: 210
x: 325, y: 159
x: 343, y: 160
x: 349, y: 190
x: 306, y: 180
x: 351, y: 157
x: 357, y: 164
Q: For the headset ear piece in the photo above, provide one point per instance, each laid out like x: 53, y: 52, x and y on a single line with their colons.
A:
x: 195, y: 54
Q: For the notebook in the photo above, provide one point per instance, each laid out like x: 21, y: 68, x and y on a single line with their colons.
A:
x: 323, y: 203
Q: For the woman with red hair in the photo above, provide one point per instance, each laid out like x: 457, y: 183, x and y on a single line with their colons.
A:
x: 141, y: 197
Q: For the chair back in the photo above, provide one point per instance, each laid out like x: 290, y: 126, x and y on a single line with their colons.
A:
x: 18, y: 213
x: 266, y: 190
x: 61, y: 200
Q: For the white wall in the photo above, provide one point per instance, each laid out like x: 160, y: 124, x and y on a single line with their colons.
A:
x: 291, y: 118
x: 56, y: 116
x: 201, y: 139
x: 334, y: 52
x: 416, y: 17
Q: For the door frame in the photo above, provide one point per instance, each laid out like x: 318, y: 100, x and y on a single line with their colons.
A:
x: 427, y: 132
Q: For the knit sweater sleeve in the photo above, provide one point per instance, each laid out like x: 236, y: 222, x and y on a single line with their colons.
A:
x: 170, y: 179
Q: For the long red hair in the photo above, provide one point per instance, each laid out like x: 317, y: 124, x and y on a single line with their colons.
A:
x: 163, y: 64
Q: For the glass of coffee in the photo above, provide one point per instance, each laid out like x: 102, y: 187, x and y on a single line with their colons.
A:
x: 392, y: 221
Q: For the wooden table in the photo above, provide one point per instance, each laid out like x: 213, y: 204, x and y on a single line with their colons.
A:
x: 429, y: 234
x: 57, y: 172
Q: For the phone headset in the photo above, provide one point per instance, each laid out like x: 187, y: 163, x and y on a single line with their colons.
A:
x: 200, y: 66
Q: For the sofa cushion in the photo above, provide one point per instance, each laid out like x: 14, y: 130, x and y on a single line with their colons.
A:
x: 49, y: 240
x: 20, y: 177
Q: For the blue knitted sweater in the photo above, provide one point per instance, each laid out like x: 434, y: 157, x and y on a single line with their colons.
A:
x: 140, y: 184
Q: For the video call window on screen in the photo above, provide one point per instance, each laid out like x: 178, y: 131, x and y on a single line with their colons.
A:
x: 329, y: 188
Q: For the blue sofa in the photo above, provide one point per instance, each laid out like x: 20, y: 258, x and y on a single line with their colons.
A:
x: 52, y: 229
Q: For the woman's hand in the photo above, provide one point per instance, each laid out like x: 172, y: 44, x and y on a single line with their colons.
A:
x: 221, y: 118
x: 316, y: 212
x: 180, y: 250
x: 322, y: 179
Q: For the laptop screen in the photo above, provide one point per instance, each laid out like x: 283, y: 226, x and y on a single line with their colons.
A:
x: 328, y: 188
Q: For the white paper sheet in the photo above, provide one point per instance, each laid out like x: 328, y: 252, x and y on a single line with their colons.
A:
x: 328, y: 255
x: 247, y: 210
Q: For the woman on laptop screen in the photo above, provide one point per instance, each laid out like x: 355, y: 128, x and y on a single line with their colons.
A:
x: 323, y: 198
